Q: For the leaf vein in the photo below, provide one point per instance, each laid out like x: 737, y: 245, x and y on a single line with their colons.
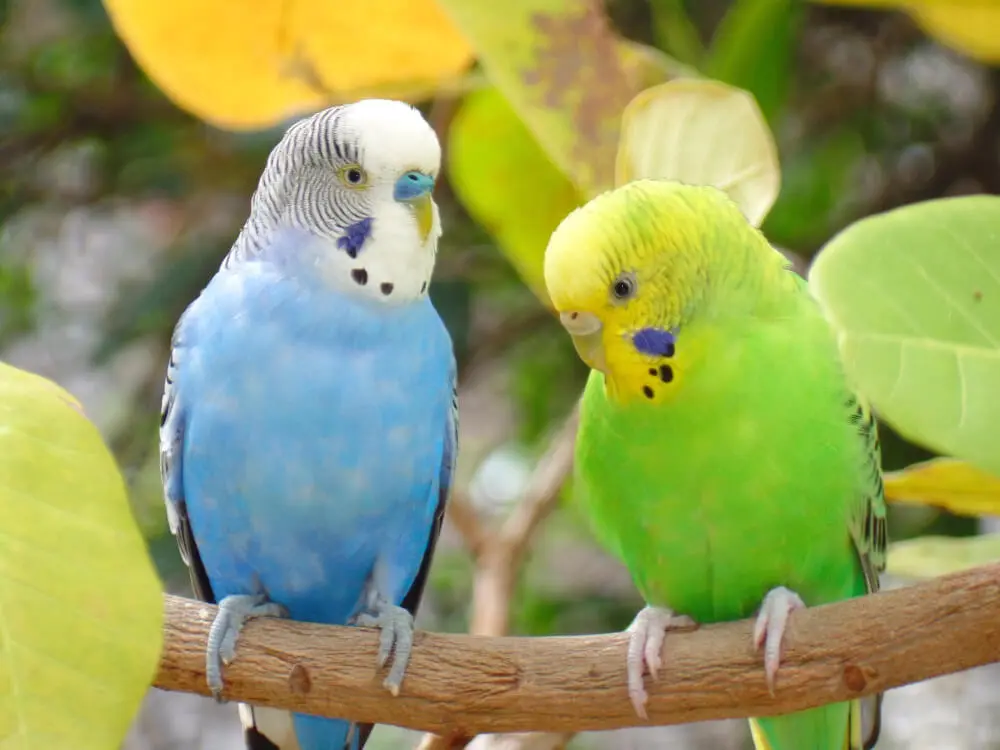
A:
x: 924, y: 342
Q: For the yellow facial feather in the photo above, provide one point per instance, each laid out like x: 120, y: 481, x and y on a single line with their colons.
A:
x: 640, y: 261
x: 423, y: 210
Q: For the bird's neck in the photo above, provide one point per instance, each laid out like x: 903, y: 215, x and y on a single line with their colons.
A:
x: 747, y: 287
x: 391, y: 266
x: 748, y: 279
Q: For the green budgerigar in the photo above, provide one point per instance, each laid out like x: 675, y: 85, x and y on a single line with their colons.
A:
x: 721, y: 454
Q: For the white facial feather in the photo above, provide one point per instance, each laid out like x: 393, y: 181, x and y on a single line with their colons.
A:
x: 392, y: 138
x: 303, y: 187
x: 396, y: 265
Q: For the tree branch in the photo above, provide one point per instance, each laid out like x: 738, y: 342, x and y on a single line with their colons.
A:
x: 498, y: 553
x: 465, y: 685
x: 499, y: 557
x: 542, y: 492
x: 462, y: 515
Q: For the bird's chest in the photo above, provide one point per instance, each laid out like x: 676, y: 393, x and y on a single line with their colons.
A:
x: 303, y: 407
x: 712, y: 504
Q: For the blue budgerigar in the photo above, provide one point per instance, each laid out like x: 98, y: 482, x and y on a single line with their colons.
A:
x: 309, y: 420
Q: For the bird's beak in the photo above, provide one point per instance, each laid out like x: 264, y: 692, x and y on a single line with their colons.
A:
x: 414, y: 189
x: 585, y: 329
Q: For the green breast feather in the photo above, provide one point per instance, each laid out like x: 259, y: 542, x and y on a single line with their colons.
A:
x: 762, y: 473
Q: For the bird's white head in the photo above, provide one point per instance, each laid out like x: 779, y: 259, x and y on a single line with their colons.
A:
x: 358, y: 179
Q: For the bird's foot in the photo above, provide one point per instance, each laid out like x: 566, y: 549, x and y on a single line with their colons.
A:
x: 645, y: 647
x: 769, y: 630
x: 234, y: 611
x: 396, y: 637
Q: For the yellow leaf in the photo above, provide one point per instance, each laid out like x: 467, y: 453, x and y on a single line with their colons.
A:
x: 244, y: 66
x: 957, y: 486
x: 970, y: 26
x: 506, y: 182
x: 80, y: 602
x: 702, y: 132
x: 932, y: 556
x: 566, y: 73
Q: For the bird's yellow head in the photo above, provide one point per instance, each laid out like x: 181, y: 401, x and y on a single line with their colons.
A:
x: 631, y: 270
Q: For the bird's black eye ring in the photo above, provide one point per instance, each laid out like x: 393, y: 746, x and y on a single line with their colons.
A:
x: 624, y: 287
x: 353, y: 176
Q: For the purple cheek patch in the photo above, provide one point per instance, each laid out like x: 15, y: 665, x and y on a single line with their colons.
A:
x: 355, y: 236
x: 656, y: 342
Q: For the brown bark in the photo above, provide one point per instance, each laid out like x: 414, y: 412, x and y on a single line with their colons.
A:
x: 465, y: 685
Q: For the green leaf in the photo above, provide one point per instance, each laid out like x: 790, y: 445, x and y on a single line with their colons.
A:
x: 933, y: 556
x: 565, y: 72
x: 80, y: 602
x: 701, y: 133
x: 506, y: 182
x: 914, y: 295
x: 674, y: 31
x: 752, y: 49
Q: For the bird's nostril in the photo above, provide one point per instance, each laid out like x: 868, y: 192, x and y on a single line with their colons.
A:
x: 413, y: 176
x: 573, y: 316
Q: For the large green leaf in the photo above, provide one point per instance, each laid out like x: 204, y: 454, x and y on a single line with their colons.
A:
x: 565, y: 72
x: 506, y: 182
x: 914, y: 294
x: 80, y: 602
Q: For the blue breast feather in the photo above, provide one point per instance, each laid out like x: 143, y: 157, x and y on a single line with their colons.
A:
x: 314, y: 439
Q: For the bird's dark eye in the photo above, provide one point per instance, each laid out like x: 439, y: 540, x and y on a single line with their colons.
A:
x: 352, y: 176
x: 624, y: 287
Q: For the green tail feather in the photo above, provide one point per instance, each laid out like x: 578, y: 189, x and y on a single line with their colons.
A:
x: 824, y: 728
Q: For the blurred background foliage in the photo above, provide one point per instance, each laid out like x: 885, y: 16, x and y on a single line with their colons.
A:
x: 122, y: 187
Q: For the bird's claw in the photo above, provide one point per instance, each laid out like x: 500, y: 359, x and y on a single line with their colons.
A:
x: 395, y: 639
x: 645, y: 647
x: 234, y: 611
x: 769, y: 630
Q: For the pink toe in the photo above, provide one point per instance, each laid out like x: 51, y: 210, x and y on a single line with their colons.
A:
x: 759, y: 632
x: 639, y: 704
